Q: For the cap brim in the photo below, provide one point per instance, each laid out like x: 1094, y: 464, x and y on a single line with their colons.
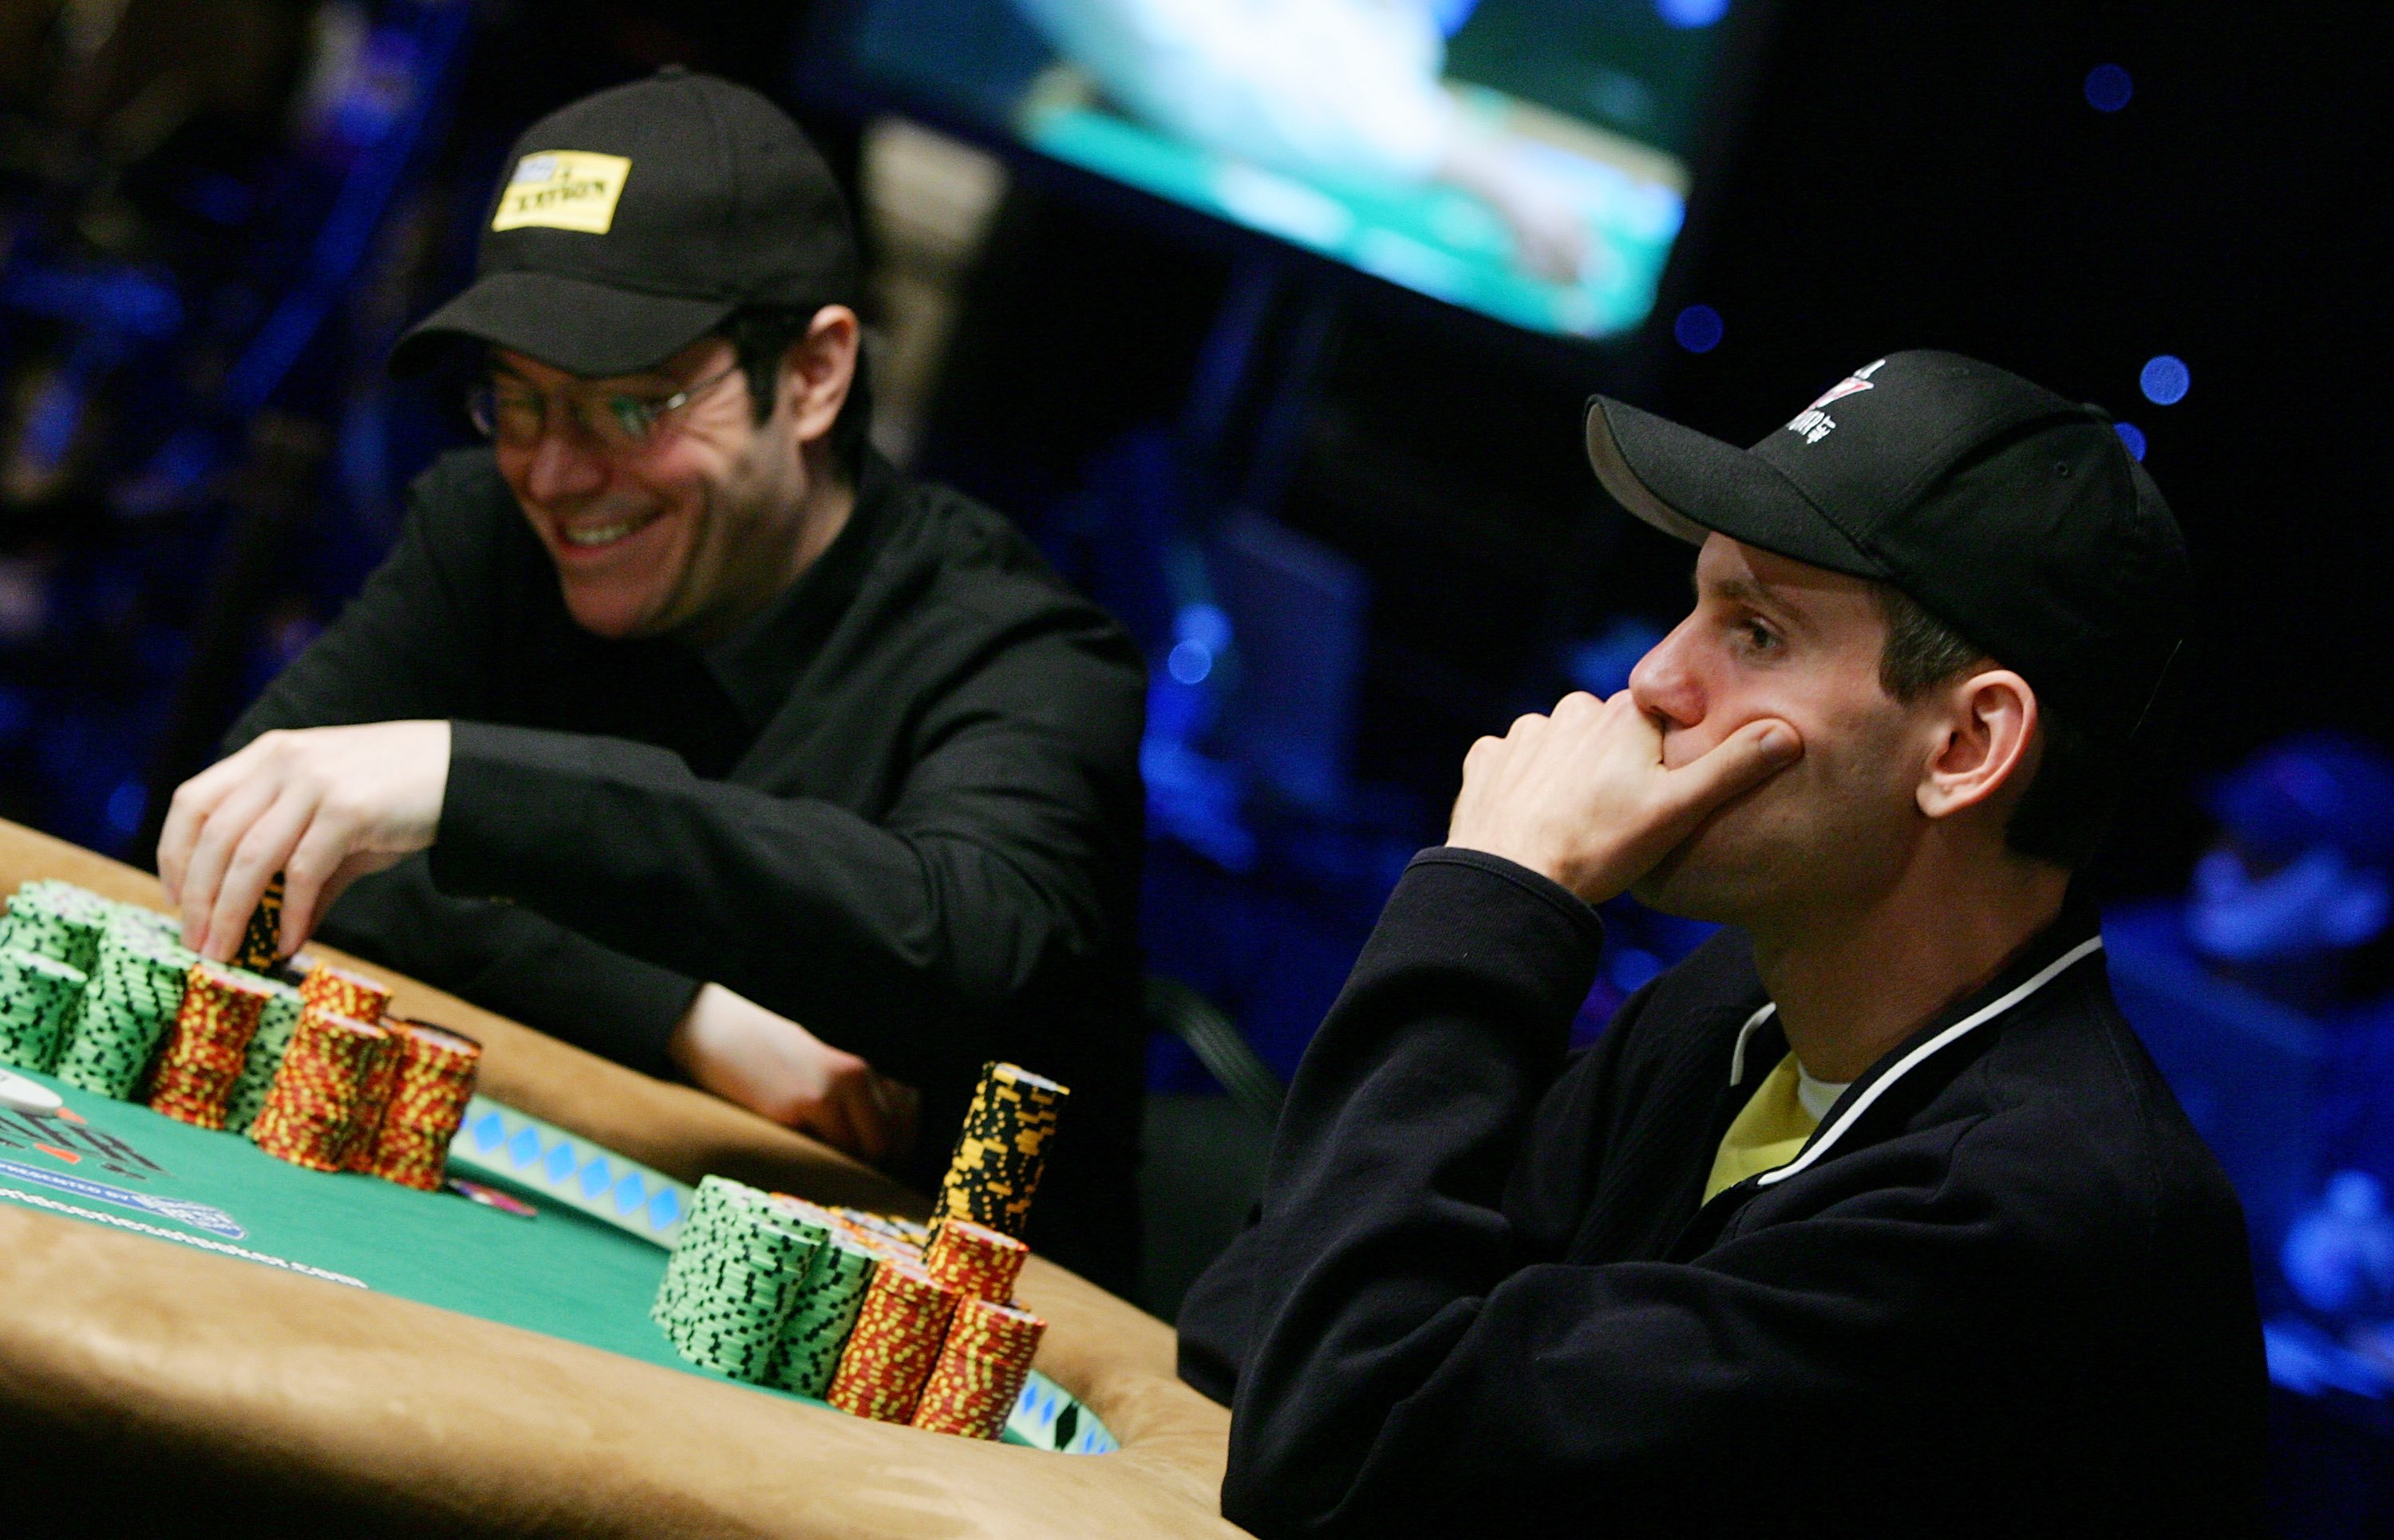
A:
x: 569, y: 323
x: 1689, y: 485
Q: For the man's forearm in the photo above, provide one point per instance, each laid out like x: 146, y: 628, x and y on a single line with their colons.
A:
x: 1380, y: 1214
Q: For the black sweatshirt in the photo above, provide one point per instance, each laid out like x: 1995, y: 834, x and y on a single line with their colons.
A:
x: 901, y: 806
x: 2003, y: 1290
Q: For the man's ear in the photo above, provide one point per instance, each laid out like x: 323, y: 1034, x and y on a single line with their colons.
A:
x: 1987, y: 741
x: 817, y: 371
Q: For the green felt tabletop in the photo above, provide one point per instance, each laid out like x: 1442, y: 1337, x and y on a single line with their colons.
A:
x: 558, y: 1272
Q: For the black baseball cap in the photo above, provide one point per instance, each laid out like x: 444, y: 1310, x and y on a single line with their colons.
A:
x: 2014, y: 516
x: 633, y: 222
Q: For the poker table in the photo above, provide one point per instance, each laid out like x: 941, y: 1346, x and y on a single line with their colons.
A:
x: 197, y: 1338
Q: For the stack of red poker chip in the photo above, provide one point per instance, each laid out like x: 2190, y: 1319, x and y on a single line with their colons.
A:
x: 981, y: 1367
x: 975, y: 1261
x: 894, y: 1344
x: 435, y: 1080
x: 206, y: 1045
x: 374, y: 1095
x: 313, y: 1103
x: 344, y: 993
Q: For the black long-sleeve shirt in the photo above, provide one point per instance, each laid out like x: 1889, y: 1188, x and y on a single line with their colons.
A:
x: 901, y: 806
x: 2003, y: 1290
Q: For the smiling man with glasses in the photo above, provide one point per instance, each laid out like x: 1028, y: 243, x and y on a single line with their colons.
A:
x: 804, y: 781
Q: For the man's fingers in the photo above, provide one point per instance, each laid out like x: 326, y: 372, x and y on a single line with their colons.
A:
x: 212, y: 856
x: 247, y: 872
x: 1745, y: 759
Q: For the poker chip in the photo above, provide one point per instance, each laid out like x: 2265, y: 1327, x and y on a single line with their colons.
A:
x: 208, y: 1045
x: 313, y: 1102
x: 58, y: 921
x: 821, y: 1317
x: 276, y: 1022
x: 894, y: 1344
x: 139, y: 975
x: 975, y: 1260
x: 1001, y: 1150
x: 344, y: 993
x: 735, y: 1277
x: 374, y: 1095
x: 38, y: 999
x: 430, y: 1089
x: 982, y: 1366
x: 262, y: 940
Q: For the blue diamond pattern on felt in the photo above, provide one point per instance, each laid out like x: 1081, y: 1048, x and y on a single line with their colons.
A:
x: 630, y: 1194
x: 561, y: 1162
x: 524, y: 1147
x: 489, y: 1131
x: 595, y: 1176
x: 665, y: 1208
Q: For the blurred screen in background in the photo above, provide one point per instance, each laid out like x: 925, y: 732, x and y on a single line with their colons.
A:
x: 1526, y: 159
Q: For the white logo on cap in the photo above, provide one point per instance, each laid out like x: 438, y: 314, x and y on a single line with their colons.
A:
x: 1816, y: 424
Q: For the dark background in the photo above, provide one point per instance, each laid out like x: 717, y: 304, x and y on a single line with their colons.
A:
x: 1130, y: 381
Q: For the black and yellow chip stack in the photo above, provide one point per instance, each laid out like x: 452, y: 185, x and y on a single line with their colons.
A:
x: 1002, y: 1149
x: 262, y: 940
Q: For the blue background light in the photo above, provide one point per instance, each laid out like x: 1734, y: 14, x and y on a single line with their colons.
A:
x: 1692, y: 13
x: 1698, y: 328
x: 2132, y: 436
x: 2166, y: 379
x: 2109, y: 87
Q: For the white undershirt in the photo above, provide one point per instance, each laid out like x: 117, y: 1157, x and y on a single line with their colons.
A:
x: 1817, y: 1096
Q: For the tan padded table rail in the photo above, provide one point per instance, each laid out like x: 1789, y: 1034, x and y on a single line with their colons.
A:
x: 143, y: 1379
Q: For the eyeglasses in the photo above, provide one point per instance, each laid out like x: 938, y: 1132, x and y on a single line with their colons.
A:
x: 516, y: 414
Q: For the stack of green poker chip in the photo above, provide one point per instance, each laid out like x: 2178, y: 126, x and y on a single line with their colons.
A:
x: 37, y: 1008
x: 275, y: 1025
x: 819, y: 1319
x: 57, y: 920
x: 733, y: 1280
x: 136, y: 987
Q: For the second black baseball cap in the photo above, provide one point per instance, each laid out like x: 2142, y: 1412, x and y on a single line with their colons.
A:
x: 631, y: 223
x: 2015, y: 516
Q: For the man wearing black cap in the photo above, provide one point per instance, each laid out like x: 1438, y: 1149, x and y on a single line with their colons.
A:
x: 1872, y: 1217
x: 807, y: 780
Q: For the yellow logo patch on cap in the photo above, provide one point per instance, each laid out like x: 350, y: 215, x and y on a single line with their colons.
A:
x: 563, y: 190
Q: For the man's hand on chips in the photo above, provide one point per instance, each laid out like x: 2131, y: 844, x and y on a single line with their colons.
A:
x: 323, y: 805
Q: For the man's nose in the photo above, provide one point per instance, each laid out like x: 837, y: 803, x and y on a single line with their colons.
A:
x: 562, y: 465
x: 1663, y: 684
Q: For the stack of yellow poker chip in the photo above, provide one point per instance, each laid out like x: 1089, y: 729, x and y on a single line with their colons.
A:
x: 207, y: 1046
x: 313, y: 1102
x: 982, y: 1365
x: 894, y: 1345
x: 975, y: 1260
x: 38, y: 996
x: 1001, y: 1150
x: 261, y: 942
x: 426, y: 1103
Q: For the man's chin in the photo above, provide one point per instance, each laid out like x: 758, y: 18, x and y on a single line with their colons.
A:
x: 1698, y: 884
x: 613, y: 615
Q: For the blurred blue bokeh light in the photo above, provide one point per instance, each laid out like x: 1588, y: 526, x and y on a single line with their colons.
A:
x: 2109, y: 87
x: 2132, y: 436
x: 2164, y: 379
x: 1692, y: 13
x: 1698, y: 328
